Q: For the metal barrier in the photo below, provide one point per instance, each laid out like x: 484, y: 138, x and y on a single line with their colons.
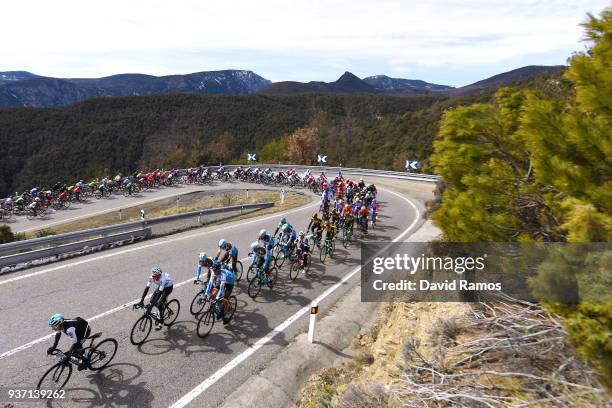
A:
x: 347, y: 170
x: 55, y: 245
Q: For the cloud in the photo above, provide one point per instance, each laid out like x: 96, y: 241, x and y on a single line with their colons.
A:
x: 94, y: 38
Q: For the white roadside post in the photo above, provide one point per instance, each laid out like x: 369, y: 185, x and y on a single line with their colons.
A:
x: 282, y: 196
x: 178, y: 200
x: 142, y: 214
x: 120, y: 216
x: 313, y: 321
x: 247, y: 193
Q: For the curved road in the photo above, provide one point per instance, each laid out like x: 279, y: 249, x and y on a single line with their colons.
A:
x: 95, y: 206
x: 173, y: 362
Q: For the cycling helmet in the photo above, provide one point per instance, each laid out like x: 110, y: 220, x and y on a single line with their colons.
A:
x: 283, y: 220
x: 254, y: 246
x: 222, y: 243
x: 285, y: 228
x: 56, y: 319
x: 302, y: 233
x: 156, y: 270
x: 315, y: 215
x: 263, y: 233
x: 216, y: 265
x: 203, y: 256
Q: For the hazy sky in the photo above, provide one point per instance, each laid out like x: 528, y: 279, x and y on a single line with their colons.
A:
x: 453, y: 42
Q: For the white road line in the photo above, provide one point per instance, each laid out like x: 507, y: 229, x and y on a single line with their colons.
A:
x: 98, y: 316
x: 203, y: 386
x: 163, y: 242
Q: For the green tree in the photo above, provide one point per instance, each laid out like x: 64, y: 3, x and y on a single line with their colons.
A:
x: 539, y: 167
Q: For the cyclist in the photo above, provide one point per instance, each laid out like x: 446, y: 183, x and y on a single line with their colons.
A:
x: 334, y: 217
x: 34, y: 205
x: 373, y: 211
x: 330, y: 232
x: 223, y: 279
x: 77, y: 330
x: 302, y: 247
x: 349, y: 218
x: 261, y: 256
x: 287, y: 237
x: 203, y: 261
x: 230, y: 251
x: 165, y: 285
x: 282, y: 222
x: 362, y: 217
x: 316, y: 226
x: 266, y: 239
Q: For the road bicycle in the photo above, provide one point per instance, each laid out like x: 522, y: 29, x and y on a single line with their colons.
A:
x: 347, y: 235
x: 300, y: 263
x: 142, y: 328
x: 41, y: 211
x: 281, y: 253
x: 328, y: 248
x: 199, y: 300
x: 96, y: 356
x: 218, y: 309
x: 262, y: 279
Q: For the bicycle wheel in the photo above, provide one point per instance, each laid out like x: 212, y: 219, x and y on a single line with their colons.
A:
x: 273, y: 277
x: 280, y: 259
x: 294, y: 270
x: 251, y: 273
x: 233, y: 304
x: 55, y: 377
x: 238, y: 271
x: 198, y: 303
x: 205, y: 323
x: 323, y: 253
x: 345, y: 240
x: 171, y: 312
x: 102, y: 354
x: 141, y: 330
x: 254, y: 287
x: 307, y: 260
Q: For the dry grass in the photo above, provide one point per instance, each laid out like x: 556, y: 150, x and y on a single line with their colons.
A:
x: 187, y: 202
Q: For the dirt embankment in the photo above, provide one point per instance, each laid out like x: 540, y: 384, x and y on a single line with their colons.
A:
x: 458, y: 354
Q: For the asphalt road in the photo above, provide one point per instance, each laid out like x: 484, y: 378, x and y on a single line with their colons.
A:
x: 174, y: 360
x: 95, y: 206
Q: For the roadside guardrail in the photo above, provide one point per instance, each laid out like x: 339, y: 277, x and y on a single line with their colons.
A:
x: 19, y: 252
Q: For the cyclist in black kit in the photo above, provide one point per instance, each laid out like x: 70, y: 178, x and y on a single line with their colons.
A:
x: 76, y: 329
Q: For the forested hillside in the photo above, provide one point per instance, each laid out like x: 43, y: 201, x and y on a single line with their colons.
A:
x: 108, y: 135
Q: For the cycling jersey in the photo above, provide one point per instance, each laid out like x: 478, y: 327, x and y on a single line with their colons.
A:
x: 268, y: 242
x: 224, y: 277
x: 76, y: 329
x: 163, y: 282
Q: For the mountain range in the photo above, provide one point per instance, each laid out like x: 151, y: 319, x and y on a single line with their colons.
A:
x: 24, y: 89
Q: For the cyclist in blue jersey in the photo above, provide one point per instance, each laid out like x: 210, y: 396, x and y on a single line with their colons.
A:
x: 203, y: 262
x: 288, y: 236
x: 280, y: 225
x: 266, y: 239
x: 223, y: 279
x: 229, y: 251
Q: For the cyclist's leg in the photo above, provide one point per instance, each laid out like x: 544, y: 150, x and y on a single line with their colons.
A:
x: 161, y: 303
x: 154, y: 299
